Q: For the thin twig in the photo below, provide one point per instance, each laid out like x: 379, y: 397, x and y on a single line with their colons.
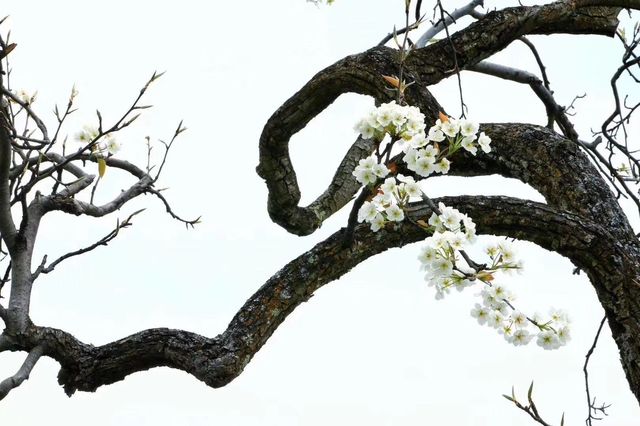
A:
x: 188, y: 223
x: 591, y: 405
x: 531, y: 408
x: 102, y: 242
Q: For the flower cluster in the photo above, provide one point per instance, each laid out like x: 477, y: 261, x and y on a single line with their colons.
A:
x: 425, y: 155
x: 440, y: 258
x: 400, y: 122
x: 445, y: 270
x: 105, y: 145
x: 387, y: 205
x: 495, y: 311
x: 443, y: 259
x: 368, y: 171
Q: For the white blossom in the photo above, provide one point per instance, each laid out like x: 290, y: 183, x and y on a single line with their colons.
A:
x: 377, y: 222
x: 424, y: 167
x: 548, y: 340
x: 367, y: 212
x: 394, y: 213
x: 468, y: 127
x: 468, y: 145
x: 521, y: 337
x: 450, y: 127
x: 480, y: 313
x: 443, y: 166
x: 484, y: 141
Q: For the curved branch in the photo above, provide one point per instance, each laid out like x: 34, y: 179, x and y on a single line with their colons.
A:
x: 362, y: 73
x: 216, y: 361
x: 63, y: 202
x: 355, y: 74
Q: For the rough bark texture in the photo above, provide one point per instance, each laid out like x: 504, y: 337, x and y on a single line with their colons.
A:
x: 216, y: 361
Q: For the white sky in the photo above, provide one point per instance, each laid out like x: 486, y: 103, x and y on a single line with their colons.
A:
x: 374, y: 347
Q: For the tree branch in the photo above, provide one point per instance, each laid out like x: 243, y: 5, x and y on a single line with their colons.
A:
x: 449, y: 19
x: 586, y: 374
x: 7, y: 385
x: 363, y: 73
x: 63, y: 202
x: 101, y: 242
x: 7, y: 225
x: 217, y: 361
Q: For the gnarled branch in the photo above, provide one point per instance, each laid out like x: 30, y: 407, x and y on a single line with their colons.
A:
x: 216, y: 361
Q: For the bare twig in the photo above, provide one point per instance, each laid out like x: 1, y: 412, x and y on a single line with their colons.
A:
x: 101, y: 242
x: 536, y: 55
x: 531, y: 408
x: 456, y: 68
x: 187, y: 223
x: 592, y: 407
x: 7, y: 385
x: 167, y: 146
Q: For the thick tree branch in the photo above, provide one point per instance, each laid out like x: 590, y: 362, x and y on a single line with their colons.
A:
x: 359, y: 74
x: 7, y: 225
x: 216, y: 361
x: 363, y: 73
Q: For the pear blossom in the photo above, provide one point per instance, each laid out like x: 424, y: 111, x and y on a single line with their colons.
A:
x: 113, y: 146
x: 429, y: 152
x: 548, y: 340
x: 468, y: 145
x: 413, y: 189
x: 480, y: 313
x: 442, y: 166
x: 367, y: 212
x: 380, y: 170
x: 450, y: 128
x: 521, y: 337
x: 564, y: 335
x: 519, y: 319
x: 424, y: 167
x: 418, y: 141
x: 442, y: 266
x: 468, y: 127
x: 411, y: 157
x: 495, y: 319
x: 377, y: 222
x: 394, y: 213
x: 389, y: 185
x: 484, y: 141
x: 435, y: 135
x: 366, y: 176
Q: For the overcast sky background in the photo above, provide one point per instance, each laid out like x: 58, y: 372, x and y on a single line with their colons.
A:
x: 372, y: 348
